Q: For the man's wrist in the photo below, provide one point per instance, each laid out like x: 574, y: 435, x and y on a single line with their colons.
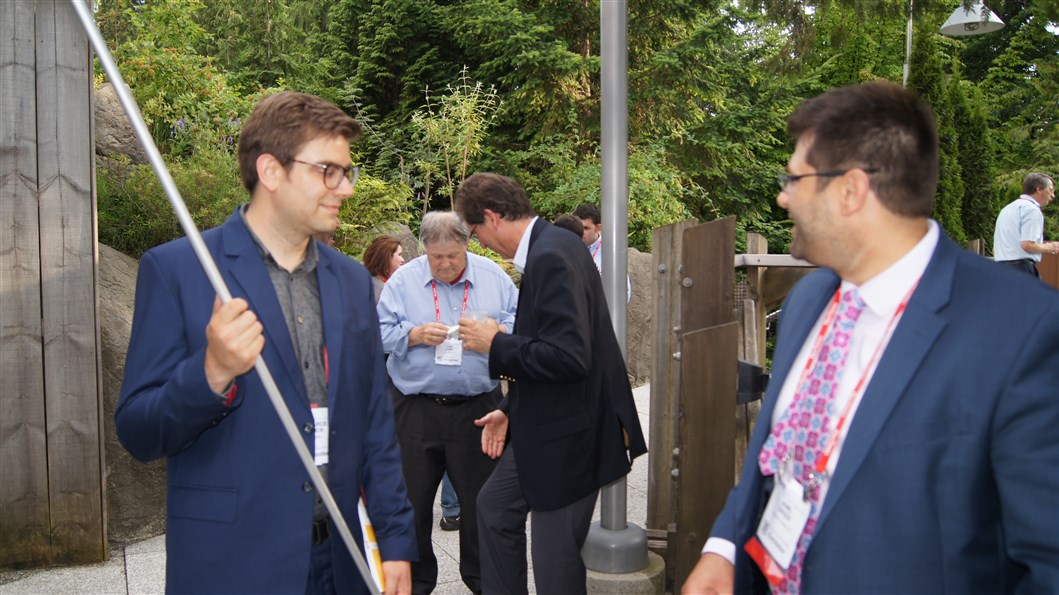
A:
x: 721, y: 547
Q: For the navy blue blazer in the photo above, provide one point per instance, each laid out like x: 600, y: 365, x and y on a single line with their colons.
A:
x: 948, y: 481
x: 569, y: 398
x: 240, y: 503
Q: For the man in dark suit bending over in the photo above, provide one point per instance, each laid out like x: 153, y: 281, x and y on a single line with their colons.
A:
x: 569, y: 409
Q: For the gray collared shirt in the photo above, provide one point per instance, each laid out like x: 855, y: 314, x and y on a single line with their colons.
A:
x: 298, y: 292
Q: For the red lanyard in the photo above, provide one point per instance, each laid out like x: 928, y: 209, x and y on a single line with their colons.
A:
x: 832, y: 439
x: 437, y: 306
x: 599, y: 244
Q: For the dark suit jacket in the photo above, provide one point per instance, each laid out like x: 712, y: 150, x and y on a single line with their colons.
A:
x: 240, y: 509
x: 948, y: 481
x: 569, y: 396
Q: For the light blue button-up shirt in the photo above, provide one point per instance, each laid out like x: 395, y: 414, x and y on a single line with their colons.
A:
x: 1021, y: 220
x: 407, y: 301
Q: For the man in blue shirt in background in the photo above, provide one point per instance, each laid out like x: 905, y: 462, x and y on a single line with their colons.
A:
x: 442, y: 388
x: 1018, y: 240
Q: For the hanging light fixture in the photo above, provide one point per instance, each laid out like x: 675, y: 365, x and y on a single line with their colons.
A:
x: 974, y: 20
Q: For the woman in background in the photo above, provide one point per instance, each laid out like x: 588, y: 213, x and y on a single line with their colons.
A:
x: 382, y: 258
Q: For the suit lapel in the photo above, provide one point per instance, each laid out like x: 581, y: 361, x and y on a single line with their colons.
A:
x: 915, y: 334
x: 245, y: 266
x: 333, y: 313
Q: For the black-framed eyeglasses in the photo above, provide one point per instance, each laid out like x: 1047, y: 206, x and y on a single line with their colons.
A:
x: 786, y: 180
x: 333, y: 174
x: 474, y: 226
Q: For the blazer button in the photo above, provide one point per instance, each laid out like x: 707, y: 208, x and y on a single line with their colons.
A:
x: 308, y: 427
x: 307, y: 487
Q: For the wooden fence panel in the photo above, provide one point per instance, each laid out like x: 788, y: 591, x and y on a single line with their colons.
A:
x: 707, y: 440
x: 668, y: 245
x: 24, y: 523
x: 707, y: 261
x: 1049, y: 269
x: 68, y: 285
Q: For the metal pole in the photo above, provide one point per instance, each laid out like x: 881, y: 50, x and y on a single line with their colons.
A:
x: 613, y: 545
x: 908, y: 47
x: 132, y: 110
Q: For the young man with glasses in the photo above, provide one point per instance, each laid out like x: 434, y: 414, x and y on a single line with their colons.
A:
x: 242, y: 514
x: 907, y: 440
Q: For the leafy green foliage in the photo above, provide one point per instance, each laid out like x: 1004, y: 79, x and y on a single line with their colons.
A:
x: 174, y: 86
x: 448, y: 134
x: 135, y: 213
x: 710, y: 82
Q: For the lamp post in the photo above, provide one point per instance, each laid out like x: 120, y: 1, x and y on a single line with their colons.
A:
x: 975, y: 19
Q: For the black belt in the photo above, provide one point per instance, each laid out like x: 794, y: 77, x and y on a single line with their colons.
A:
x: 1020, y: 260
x: 448, y: 399
x: 321, y: 532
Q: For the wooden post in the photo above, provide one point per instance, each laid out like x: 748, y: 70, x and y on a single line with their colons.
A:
x: 24, y: 524
x: 752, y: 345
x: 668, y: 244
x: 1049, y: 269
x: 708, y: 383
x: 976, y: 246
x: 53, y: 512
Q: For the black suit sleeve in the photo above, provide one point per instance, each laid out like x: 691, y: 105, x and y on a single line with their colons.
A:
x: 555, y: 311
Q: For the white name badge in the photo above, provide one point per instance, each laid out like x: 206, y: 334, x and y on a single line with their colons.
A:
x: 783, y: 521
x: 320, y: 423
x: 449, y: 353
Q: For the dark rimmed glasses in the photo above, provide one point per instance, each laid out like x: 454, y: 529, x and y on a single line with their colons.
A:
x: 786, y: 180
x: 333, y: 174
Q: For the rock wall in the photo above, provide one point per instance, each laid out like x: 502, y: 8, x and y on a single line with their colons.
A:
x: 114, y: 135
x: 638, y: 323
x: 135, y: 491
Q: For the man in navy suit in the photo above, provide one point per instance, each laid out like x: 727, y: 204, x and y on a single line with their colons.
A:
x: 242, y: 515
x: 938, y: 468
x: 573, y: 424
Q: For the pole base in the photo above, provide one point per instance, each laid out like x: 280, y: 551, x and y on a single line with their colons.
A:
x: 615, y: 551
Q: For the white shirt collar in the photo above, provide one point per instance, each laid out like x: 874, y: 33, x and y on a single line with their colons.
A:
x: 1031, y: 199
x: 884, y: 292
x: 522, y: 253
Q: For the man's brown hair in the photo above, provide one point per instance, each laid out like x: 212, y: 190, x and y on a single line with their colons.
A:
x: 500, y: 194
x: 282, y: 124
x: 1035, y: 182
x: 881, y: 128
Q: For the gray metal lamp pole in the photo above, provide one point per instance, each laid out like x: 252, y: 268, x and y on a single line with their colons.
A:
x: 613, y: 545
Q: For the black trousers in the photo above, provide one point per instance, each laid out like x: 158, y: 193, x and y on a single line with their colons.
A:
x: 435, y: 438
x: 1026, y: 265
x: 558, y: 536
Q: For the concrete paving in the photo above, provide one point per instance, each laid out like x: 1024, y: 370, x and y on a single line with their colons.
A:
x: 139, y: 568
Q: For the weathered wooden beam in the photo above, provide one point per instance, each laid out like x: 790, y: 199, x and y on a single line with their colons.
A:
x: 72, y: 375
x: 667, y: 243
x: 769, y: 260
x: 707, y: 441
x: 25, y: 527
x: 777, y: 283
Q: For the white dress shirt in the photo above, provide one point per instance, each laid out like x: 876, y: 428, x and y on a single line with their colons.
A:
x: 882, y: 294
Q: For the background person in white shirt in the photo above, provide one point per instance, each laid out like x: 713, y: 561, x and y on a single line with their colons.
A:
x: 1018, y: 239
x: 941, y: 460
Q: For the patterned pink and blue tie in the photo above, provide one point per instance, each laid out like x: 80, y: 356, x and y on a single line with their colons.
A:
x: 801, y: 431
